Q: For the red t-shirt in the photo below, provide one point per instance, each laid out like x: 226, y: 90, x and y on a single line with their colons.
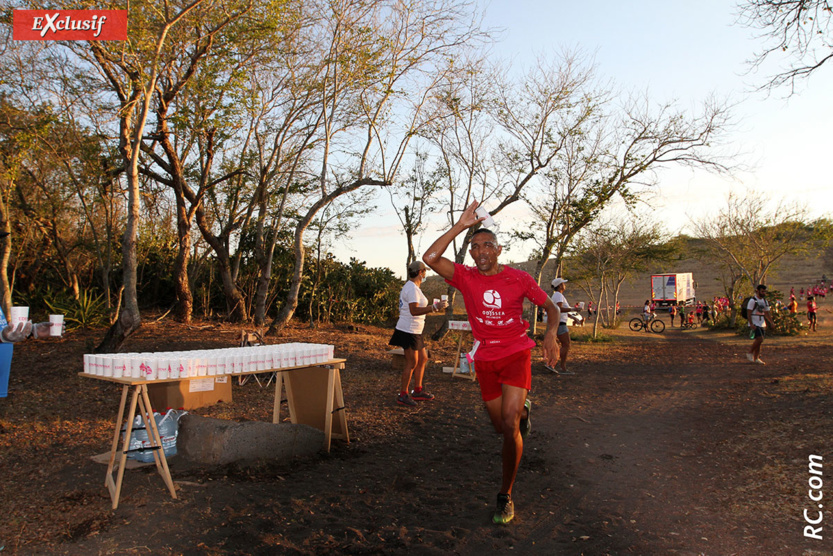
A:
x: 495, y: 308
x: 812, y: 307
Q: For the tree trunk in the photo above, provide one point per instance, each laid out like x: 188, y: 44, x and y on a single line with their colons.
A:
x: 263, y: 281
x: 598, y: 304
x: 234, y: 298
x: 291, y: 303
x: 184, y: 297
x: 540, y: 264
x: 130, y: 319
x: 5, y: 287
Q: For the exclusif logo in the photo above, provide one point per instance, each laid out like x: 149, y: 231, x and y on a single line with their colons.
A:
x: 69, y: 25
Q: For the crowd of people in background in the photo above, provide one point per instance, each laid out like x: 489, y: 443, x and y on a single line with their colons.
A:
x: 804, y: 305
x: 701, y: 312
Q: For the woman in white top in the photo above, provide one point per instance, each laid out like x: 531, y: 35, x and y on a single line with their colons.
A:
x: 563, y: 333
x: 413, y: 306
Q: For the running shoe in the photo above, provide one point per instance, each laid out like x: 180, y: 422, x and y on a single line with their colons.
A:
x: 421, y: 396
x: 551, y: 369
x: 405, y: 400
x: 505, y: 510
x: 760, y: 361
x: 566, y: 372
x: 526, y: 424
x: 750, y: 357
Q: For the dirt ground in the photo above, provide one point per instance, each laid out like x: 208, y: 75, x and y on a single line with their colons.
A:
x: 659, y: 444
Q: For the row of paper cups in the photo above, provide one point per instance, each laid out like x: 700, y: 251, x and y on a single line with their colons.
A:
x: 185, y: 364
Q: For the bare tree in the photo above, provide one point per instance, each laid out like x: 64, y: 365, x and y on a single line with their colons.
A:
x: 616, y: 155
x: 131, y: 71
x: 749, y: 239
x: 191, y: 108
x: 415, y: 199
x: 333, y: 222
x: 798, y: 29
x: 606, y: 254
x: 499, y: 134
x: 380, y: 63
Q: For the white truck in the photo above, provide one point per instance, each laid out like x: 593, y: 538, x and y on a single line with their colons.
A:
x: 672, y: 289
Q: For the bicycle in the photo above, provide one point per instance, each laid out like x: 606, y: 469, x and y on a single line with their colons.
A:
x: 689, y: 325
x: 654, y: 325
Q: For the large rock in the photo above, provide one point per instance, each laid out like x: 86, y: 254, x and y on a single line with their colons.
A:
x: 217, y: 441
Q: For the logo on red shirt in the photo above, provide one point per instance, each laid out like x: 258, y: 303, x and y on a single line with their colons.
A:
x: 69, y: 25
x: 491, y: 299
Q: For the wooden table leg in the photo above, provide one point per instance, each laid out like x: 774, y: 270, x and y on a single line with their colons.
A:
x: 114, y: 447
x: 328, y: 408
x: 339, y: 395
x: 115, y: 487
x: 290, y: 399
x: 276, y: 410
x: 457, y: 355
x: 156, y: 439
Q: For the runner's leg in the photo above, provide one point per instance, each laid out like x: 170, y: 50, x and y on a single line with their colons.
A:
x: 419, y: 368
x: 505, y: 413
x: 564, y: 343
x: 408, y: 371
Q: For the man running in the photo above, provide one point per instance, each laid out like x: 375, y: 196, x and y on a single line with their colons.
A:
x: 494, y: 295
x: 758, y: 310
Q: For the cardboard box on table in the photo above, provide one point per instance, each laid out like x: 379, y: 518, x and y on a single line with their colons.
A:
x: 190, y: 394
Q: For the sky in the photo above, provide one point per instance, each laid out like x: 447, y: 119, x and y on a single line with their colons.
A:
x: 676, y: 51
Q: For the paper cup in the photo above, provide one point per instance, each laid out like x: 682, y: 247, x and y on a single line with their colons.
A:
x: 444, y: 297
x: 95, y: 365
x: 120, y: 367
x: 162, y: 367
x: 483, y: 213
x: 19, y: 314
x: 147, y: 367
x: 202, y: 365
x: 107, y: 366
x: 135, y: 367
x: 56, y: 325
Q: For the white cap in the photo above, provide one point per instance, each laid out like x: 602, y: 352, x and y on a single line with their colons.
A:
x: 558, y: 281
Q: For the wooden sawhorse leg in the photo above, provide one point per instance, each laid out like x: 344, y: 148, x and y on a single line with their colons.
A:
x: 319, y: 397
x: 470, y: 375
x: 140, y: 399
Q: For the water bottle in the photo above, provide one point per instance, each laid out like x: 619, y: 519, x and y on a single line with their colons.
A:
x: 140, y: 442
x: 168, y: 429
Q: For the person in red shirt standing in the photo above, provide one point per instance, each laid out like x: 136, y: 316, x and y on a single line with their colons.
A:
x: 494, y: 295
x: 812, y: 309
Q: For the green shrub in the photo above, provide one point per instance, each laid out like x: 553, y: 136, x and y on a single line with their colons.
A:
x: 88, y: 311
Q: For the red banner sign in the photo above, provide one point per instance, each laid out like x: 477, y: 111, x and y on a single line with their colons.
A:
x: 69, y: 25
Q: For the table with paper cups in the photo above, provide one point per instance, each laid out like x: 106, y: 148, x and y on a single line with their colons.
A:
x: 309, y: 371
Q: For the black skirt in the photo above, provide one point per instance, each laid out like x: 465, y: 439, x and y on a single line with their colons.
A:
x: 406, y: 340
